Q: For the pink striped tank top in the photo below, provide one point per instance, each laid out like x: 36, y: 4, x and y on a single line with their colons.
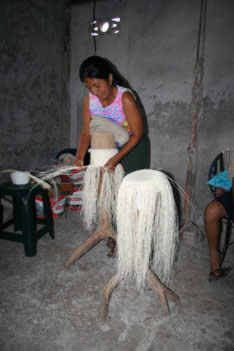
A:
x: 113, y: 111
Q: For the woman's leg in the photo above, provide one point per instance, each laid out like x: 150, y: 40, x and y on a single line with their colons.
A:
x: 213, y: 213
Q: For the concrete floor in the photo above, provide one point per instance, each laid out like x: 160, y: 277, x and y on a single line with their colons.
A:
x: 47, y: 307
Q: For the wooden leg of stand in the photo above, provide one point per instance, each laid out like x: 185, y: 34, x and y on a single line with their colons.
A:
x: 106, y: 227
x: 162, y: 290
x: 106, y: 295
x: 104, y: 230
x: 83, y: 248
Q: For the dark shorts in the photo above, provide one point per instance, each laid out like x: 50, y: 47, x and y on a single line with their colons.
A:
x: 138, y: 157
x: 226, y: 201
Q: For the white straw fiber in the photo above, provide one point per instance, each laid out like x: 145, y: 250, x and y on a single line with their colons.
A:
x: 90, y: 195
x: 106, y: 197
x: 147, y: 226
x: 94, y: 205
x: 91, y: 207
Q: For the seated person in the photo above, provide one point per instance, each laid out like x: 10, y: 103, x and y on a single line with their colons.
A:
x: 222, y: 206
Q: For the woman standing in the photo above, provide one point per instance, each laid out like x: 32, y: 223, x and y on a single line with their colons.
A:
x: 110, y: 98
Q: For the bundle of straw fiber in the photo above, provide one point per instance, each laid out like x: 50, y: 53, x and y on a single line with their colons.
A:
x: 147, y: 226
x: 94, y: 203
x: 100, y: 184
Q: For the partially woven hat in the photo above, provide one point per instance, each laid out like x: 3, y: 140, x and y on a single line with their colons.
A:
x: 103, y: 147
x: 104, y: 125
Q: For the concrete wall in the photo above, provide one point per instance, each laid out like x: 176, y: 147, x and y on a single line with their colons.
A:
x: 34, y: 112
x: 156, y: 52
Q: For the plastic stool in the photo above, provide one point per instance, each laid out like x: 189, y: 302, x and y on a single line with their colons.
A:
x: 24, y: 216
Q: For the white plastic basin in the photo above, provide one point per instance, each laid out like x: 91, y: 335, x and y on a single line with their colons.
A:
x: 19, y: 178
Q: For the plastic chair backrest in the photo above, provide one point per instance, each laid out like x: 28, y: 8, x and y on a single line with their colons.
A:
x: 219, y: 164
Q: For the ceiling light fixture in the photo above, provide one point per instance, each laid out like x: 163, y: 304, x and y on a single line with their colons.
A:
x: 104, y: 26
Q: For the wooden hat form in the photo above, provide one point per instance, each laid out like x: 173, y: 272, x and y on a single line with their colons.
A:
x: 103, y: 141
x: 103, y: 147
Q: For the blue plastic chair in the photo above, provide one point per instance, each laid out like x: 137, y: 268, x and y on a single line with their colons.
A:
x: 219, y: 164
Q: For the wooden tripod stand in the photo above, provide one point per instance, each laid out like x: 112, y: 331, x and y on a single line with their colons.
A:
x: 153, y: 281
x: 105, y: 230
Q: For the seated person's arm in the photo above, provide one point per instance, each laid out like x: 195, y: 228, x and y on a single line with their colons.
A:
x: 233, y: 192
x: 231, y: 173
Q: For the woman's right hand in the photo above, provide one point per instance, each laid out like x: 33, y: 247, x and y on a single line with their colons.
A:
x: 219, y: 192
x: 78, y: 163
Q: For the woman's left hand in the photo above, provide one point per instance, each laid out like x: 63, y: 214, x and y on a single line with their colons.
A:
x: 111, y: 163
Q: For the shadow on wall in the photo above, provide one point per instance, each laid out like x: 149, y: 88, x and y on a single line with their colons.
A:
x: 176, y: 194
x: 124, y: 82
x: 146, y: 128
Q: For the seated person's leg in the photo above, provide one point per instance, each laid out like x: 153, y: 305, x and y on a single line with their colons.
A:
x: 213, y: 213
x: 215, y: 210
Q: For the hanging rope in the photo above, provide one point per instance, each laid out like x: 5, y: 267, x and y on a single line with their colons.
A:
x: 197, y: 105
x: 94, y: 19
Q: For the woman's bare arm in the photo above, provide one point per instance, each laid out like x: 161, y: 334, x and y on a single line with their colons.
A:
x: 135, y: 122
x: 84, y: 140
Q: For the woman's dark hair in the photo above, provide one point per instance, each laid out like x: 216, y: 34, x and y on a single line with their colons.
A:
x: 99, y: 67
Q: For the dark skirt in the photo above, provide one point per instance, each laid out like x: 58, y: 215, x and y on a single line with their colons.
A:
x: 226, y: 201
x: 138, y: 157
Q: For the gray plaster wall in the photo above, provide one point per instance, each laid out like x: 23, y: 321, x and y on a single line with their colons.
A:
x: 156, y: 52
x: 34, y: 112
